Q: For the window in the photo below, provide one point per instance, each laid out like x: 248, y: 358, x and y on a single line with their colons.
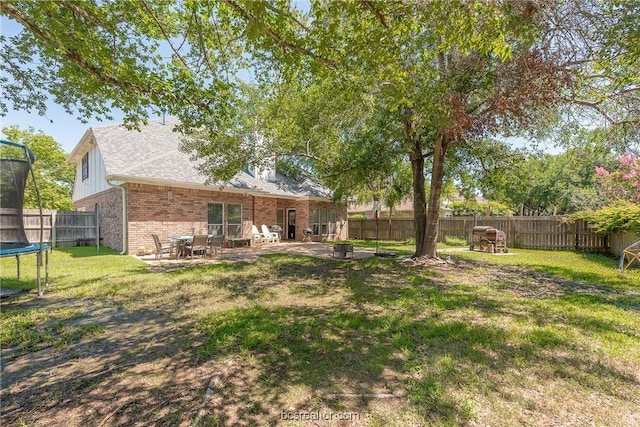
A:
x: 332, y: 221
x: 315, y: 221
x: 85, y: 167
x: 323, y: 222
x: 280, y: 218
x: 234, y: 220
x: 218, y: 225
x: 215, y: 219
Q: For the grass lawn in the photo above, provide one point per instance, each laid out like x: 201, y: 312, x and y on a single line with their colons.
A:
x: 530, y: 338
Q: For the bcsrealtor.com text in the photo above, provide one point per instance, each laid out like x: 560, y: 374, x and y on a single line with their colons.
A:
x: 319, y: 416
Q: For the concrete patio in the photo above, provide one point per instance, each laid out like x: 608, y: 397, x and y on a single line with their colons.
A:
x: 250, y: 254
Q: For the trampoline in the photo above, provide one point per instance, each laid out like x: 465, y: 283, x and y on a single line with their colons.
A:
x: 16, y: 163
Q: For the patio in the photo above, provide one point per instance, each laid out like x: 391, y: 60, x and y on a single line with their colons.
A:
x: 250, y: 254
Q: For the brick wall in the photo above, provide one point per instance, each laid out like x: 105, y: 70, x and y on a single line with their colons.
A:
x: 110, y: 205
x: 265, y: 211
x: 303, y: 215
x: 168, y: 211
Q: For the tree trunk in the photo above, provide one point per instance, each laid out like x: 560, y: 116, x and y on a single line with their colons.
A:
x: 433, y: 210
x: 419, y: 199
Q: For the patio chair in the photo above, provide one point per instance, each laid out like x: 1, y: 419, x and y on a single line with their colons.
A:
x: 630, y: 256
x: 256, y: 235
x: 216, y: 243
x: 200, y: 244
x: 268, y: 235
x: 162, y: 247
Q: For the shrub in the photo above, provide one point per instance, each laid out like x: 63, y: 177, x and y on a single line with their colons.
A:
x: 472, y: 207
x: 622, y: 215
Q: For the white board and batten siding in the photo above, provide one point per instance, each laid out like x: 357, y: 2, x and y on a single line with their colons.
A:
x: 96, y: 182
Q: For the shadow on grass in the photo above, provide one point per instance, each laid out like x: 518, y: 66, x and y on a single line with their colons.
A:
x: 414, y: 333
x: 86, y: 251
x: 402, y: 248
x: 19, y: 286
x: 336, y: 351
x: 394, y: 329
x: 223, y: 267
x: 333, y: 351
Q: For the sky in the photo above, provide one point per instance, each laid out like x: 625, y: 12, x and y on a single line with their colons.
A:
x: 64, y: 128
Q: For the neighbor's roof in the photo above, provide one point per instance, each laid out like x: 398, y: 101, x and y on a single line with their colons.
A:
x: 404, y: 206
x: 152, y: 155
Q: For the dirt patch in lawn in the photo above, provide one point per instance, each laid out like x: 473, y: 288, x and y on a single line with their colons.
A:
x: 133, y: 368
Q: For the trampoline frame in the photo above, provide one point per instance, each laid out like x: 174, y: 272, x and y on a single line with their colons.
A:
x: 32, y: 248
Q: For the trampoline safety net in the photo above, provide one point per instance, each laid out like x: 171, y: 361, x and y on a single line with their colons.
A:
x: 15, y: 165
x: 13, y: 176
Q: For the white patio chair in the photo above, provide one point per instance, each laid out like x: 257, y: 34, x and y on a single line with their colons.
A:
x: 256, y: 235
x: 268, y: 235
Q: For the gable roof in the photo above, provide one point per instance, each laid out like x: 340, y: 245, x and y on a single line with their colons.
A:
x: 152, y: 155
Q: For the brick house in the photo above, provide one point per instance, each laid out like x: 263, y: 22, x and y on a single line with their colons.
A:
x: 142, y: 184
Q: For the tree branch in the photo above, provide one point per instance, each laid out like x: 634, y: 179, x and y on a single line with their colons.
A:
x: 280, y: 12
x: 77, y: 58
x: 166, y: 36
x: 202, y: 45
x: 428, y: 153
x: 368, y: 5
x: 296, y: 154
x: 73, y: 7
x: 275, y: 36
x: 594, y: 106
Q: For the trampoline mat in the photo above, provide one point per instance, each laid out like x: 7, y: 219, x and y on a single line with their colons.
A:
x: 19, y: 248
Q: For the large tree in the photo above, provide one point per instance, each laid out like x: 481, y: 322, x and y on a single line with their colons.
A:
x: 446, y: 72
x: 54, y: 175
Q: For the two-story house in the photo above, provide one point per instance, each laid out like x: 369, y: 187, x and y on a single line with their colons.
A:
x: 141, y: 183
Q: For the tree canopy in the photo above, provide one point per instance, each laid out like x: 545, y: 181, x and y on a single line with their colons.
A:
x: 334, y: 85
x: 54, y: 175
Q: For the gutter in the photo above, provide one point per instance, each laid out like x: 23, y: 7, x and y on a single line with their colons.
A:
x: 193, y: 186
x: 124, y: 213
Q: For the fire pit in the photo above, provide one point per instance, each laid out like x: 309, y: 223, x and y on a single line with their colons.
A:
x: 342, y: 250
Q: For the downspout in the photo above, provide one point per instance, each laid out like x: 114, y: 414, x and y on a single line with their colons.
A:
x: 125, y: 241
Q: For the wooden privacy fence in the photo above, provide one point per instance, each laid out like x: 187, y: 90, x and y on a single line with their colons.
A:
x: 545, y: 232
x: 62, y: 228
x: 619, y: 241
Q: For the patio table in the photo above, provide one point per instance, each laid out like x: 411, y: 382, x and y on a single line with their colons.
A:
x: 181, y: 242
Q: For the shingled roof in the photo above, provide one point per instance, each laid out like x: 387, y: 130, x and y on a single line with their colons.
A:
x: 152, y: 155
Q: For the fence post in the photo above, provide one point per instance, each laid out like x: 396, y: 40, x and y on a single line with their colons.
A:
x: 54, y: 234
x: 513, y: 232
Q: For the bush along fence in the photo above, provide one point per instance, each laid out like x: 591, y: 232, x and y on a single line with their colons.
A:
x: 543, y: 232
x: 62, y: 228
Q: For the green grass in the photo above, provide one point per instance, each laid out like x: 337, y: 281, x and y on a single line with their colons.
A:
x: 594, y: 269
x: 407, y: 247
x: 531, y: 338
